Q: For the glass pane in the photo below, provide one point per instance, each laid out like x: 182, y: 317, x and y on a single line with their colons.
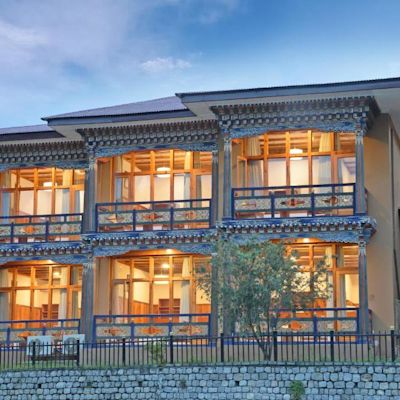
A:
x: 79, y: 177
x: 26, y: 202
x: 79, y: 196
x: 8, y: 179
x: 299, y: 171
x: 123, y: 163
x: 122, y: 269
x: 7, y: 202
x: 44, y: 202
x: 162, y: 161
x: 142, y: 188
x: 59, y: 303
x: 347, y: 170
x: 254, y: 146
x: 141, y: 298
x: 41, y: 308
x: 161, y: 267
x: 277, y: 172
x: 76, y: 304
x: 141, y: 268
x: 63, y: 177
x: 41, y: 277
x: 321, y: 141
x: 5, y: 306
x: 324, y: 255
x: 277, y: 143
x: 162, y: 187
x: 298, y: 143
x: 345, y: 142
x: 202, y: 159
x: 347, y: 257
x: 76, y: 275
x: 22, y: 308
x: 26, y: 178
x: 120, y: 298
x: 62, y: 201
x: 203, y: 186
x: 121, y: 189
x: 60, y: 276
x: 6, y: 276
x: 161, y: 297
x: 23, y: 276
x: 181, y: 186
x: 181, y: 297
x: 348, y: 290
x: 45, y: 177
x: 181, y: 267
x: 321, y: 170
x: 142, y: 162
x: 181, y: 159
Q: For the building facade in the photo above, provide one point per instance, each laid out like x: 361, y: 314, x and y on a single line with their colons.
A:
x: 107, y: 213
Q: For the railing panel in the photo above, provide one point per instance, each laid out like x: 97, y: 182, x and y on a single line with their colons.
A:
x: 293, y: 201
x: 40, y: 228
x: 155, y: 325
x: 18, y: 331
x: 153, y: 215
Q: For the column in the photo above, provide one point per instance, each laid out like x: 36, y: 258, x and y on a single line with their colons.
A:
x: 89, y: 216
x: 214, y: 189
x: 360, y: 185
x: 363, y: 288
x: 227, y: 212
x: 87, y: 299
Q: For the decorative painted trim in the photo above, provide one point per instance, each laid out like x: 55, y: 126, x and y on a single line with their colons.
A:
x: 111, y: 141
x: 337, y: 114
x: 60, y: 154
x: 338, y: 229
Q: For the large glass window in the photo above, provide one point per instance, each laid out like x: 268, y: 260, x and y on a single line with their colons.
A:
x: 294, y: 158
x: 39, y: 191
x: 157, y: 285
x: 161, y: 175
x: 40, y: 292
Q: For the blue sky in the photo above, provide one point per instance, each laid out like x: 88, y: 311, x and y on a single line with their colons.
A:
x: 67, y: 55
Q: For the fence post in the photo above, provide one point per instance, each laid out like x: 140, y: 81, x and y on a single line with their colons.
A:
x: 78, y: 353
x: 332, y: 345
x: 393, y: 345
x: 33, y: 353
x: 171, y: 349
x: 222, y: 348
x: 123, y: 351
x: 275, y: 344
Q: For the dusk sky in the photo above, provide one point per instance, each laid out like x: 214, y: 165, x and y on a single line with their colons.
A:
x: 61, y: 56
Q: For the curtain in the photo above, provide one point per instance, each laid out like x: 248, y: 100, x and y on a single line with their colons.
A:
x: 255, y: 167
x: 330, y: 299
x: 62, y: 309
x: 185, y: 291
x: 4, y: 296
x: 325, y: 142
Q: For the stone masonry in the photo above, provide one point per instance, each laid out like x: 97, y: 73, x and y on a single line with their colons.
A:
x: 336, y: 382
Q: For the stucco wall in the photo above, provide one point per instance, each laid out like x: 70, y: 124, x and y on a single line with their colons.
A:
x: 380, y: 249
x: 206, y: 382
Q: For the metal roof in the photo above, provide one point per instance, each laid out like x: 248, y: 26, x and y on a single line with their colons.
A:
x: 26, y: 129
x: 164, y: 104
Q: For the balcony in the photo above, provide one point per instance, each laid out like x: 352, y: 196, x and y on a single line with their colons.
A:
x: 293, y: 201
x: 40, y: 228
x: 153, y: 215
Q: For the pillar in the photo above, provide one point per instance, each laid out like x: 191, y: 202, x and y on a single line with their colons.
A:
x: 360, y: 180
x: 89, y: 216
x: 363, y: 288
x: 227, y: 212
x: 214, y: 189
x: 87, y: 299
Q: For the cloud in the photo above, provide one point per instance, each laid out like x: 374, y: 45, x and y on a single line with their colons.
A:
x: 161, y: 64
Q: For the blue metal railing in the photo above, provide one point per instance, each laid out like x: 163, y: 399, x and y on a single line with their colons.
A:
x: 39, y: 228
x: 153, y: 215
x: 293, y: 201
x: 18, y: 331
x: 157, y: 325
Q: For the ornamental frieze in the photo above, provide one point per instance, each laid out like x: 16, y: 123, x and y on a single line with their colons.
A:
x: 60, y: 154
x: 340, y: 114
x: 194, y: 136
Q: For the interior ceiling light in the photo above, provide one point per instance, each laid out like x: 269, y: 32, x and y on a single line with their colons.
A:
x: 165, y: 266
x: 161, y: 282
x: 47, y: 184
x: 296, y: 152
x: 165, y: 171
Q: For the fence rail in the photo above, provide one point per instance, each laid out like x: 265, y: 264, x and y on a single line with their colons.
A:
x: 282, y: 348
x: 40, y: 228
x: 293, y: 201
x: 153, y: 215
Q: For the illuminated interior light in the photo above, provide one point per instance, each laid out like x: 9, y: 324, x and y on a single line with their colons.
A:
x: 164, y: 169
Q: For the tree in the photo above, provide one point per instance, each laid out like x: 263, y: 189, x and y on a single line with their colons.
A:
x: 258, y: 281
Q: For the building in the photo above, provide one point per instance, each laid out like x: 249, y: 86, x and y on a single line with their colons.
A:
x: 106, y: 212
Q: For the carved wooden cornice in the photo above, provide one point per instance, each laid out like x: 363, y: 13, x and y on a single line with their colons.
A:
x: 194, y: 135
x: 62, y: 154
x: 336, y: 114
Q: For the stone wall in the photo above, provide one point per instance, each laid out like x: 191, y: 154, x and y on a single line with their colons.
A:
x: 205, y: 382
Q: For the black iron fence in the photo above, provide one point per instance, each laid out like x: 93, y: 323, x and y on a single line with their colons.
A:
x: 281, y: 348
